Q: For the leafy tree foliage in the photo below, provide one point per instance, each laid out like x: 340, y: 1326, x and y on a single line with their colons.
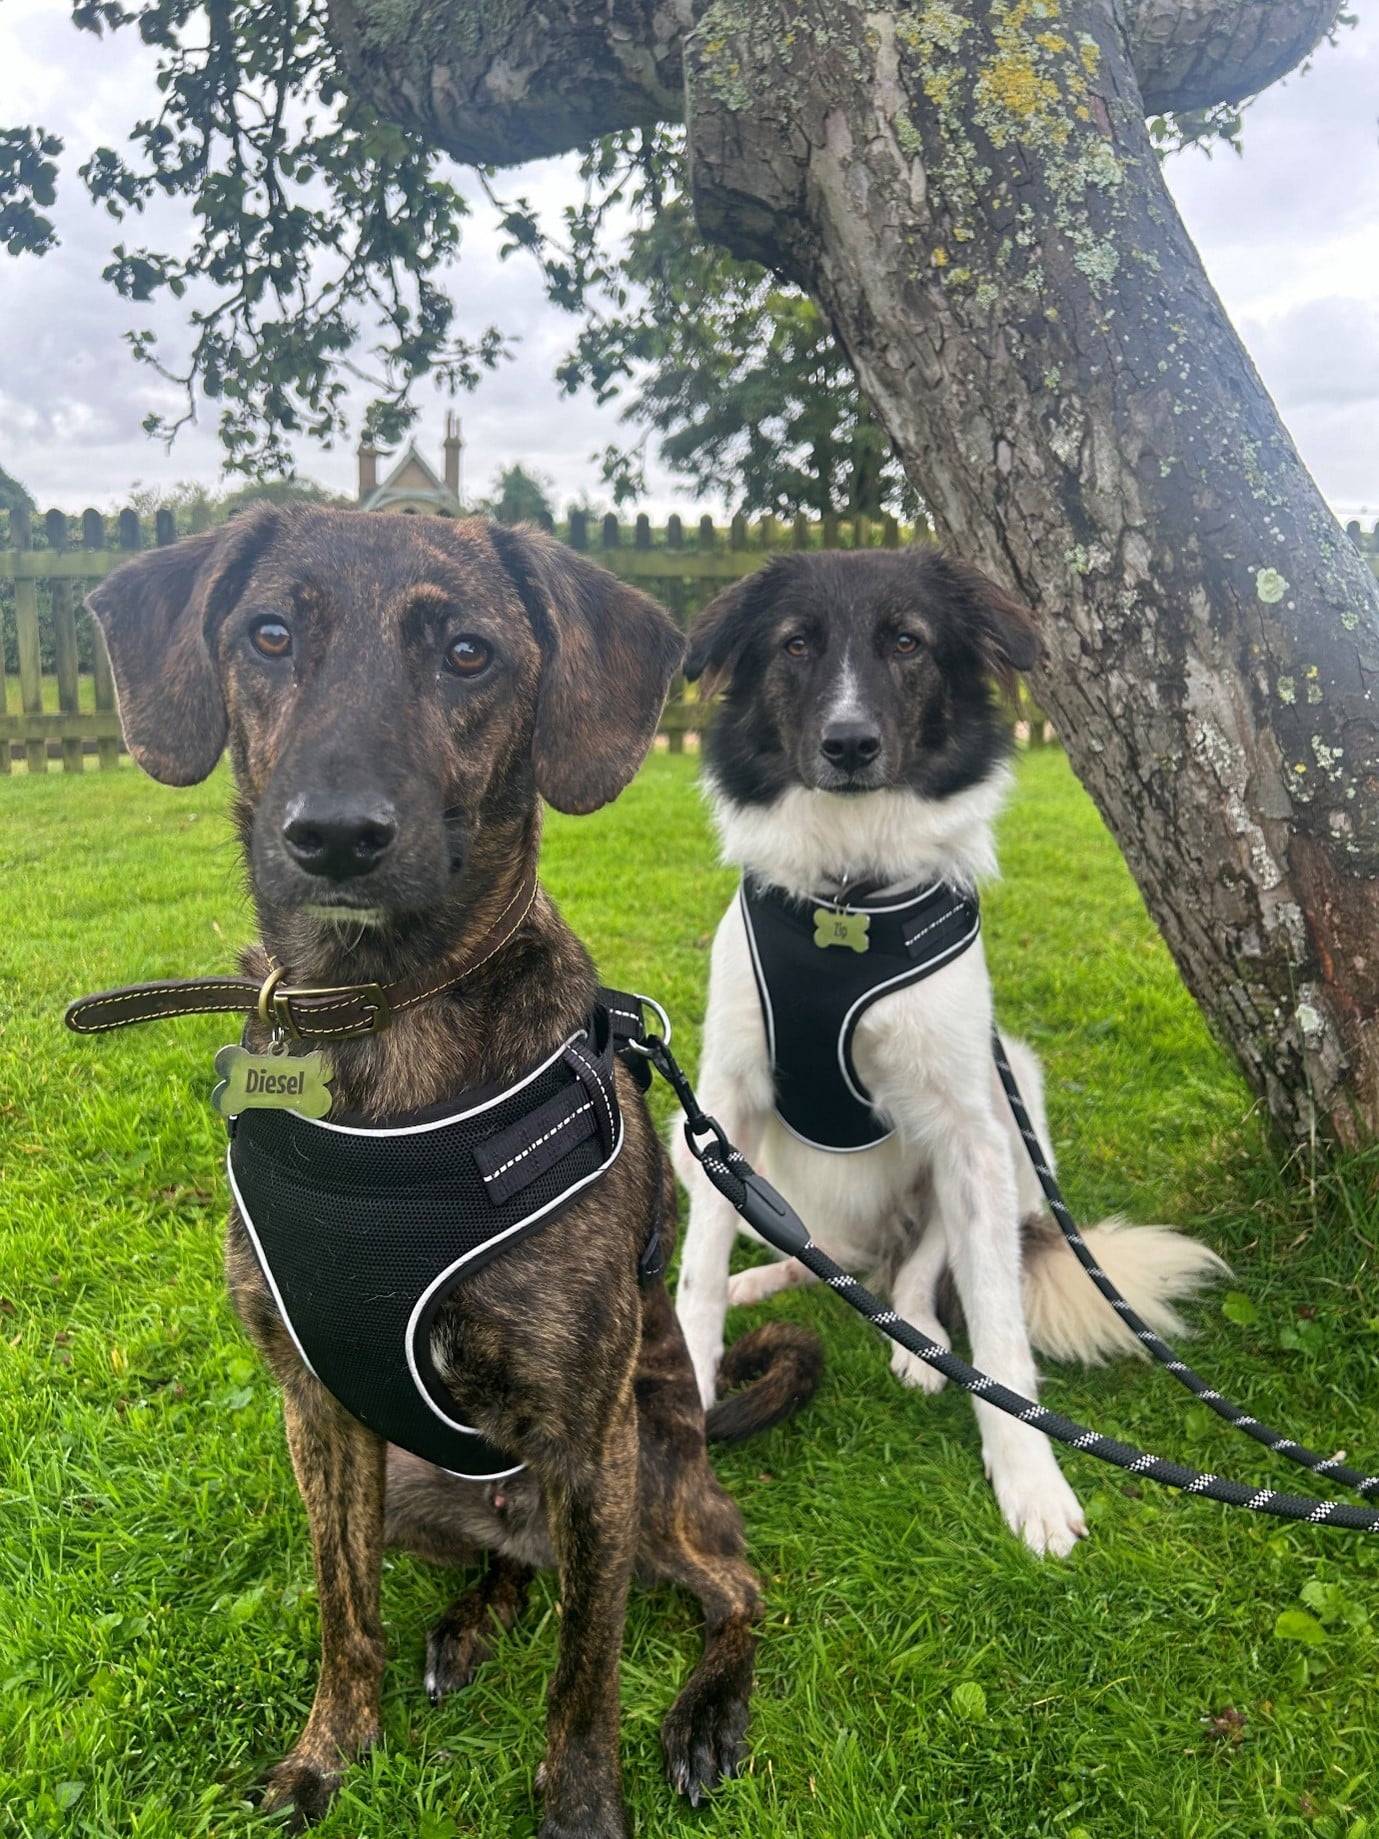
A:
x: 520, y: 497
x: 308, y: 211
x: 28, y: 185
x: 291, y: 490
x: 736, y: 372
x: 312, y: 215
x: 13, y: 496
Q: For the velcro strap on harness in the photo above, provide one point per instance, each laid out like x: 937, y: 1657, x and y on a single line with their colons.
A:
x: 513, y: 1159
x: 516, y: 1157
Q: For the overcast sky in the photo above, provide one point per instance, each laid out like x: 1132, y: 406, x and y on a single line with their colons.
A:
x: 1289, y: 234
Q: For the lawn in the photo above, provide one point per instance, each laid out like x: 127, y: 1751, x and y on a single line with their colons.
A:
x: 1190, y: 1671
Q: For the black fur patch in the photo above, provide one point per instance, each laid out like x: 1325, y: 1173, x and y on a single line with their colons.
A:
x: 912, y: 643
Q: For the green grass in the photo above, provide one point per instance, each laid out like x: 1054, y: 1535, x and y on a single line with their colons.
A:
x: 86, y: 694
x: 921, y: 1673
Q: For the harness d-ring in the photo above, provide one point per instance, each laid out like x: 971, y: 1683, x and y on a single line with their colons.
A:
x: 644, y: 1047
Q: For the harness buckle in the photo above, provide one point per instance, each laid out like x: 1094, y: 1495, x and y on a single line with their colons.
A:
x: 276, y: 1000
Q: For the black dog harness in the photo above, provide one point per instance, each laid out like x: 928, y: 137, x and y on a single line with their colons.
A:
x: 820, y: 964
x: 364, y: 1231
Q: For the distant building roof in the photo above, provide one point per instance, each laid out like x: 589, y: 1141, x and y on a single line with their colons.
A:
x: 412, y: 485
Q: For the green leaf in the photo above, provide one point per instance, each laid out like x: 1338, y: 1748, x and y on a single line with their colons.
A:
x: 1298, y: 1625
x: 1239, y: 1309
x: 969, y: 1701
x: 245, y: 1607
x: 67, y: 1794
x: 1333, y: 1604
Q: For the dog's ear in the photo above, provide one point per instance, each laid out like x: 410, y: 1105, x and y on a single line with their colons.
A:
x: 158, y: 613
x: 722, y: 630
x: 610, y: 655
x: 1006, y: 635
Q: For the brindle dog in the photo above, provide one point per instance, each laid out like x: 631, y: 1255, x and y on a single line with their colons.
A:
x: 397, y: 697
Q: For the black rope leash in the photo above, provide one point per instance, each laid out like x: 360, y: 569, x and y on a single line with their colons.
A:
x: 1367, y: 1486
x: 768, y: 1213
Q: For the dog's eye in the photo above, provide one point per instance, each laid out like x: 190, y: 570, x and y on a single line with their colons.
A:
x: 797, y: 646
x: 906, y: 644
x: 467, y: 656
x: 271, y: 638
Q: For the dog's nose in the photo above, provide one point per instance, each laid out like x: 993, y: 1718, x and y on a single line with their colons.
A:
x: 850, y: 745
x: 339, y: 839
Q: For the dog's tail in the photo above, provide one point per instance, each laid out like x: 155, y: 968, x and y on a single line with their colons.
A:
x: 1151, y: 1266
x: 778, y: 1367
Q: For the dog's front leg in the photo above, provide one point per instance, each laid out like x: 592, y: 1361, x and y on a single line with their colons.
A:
x: 735, y: 1087
x: 914, y: 1292
x: 340, y: 1471
x: 594, y: 1528
x: 701, y: 1295
x: 974, y: 1185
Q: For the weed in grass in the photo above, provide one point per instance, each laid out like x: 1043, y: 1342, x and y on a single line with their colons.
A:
x: 1190, y: 1672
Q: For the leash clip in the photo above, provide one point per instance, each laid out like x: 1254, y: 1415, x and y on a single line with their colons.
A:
x: 652, y: 1042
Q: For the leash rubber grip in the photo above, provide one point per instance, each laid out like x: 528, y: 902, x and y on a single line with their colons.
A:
x: 772, y: 1216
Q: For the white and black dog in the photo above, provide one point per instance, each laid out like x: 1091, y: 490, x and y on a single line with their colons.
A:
x: 860, y: 744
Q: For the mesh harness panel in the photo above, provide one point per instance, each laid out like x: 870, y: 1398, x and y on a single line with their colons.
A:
x: 815, y: 987
x: 364, y: 1231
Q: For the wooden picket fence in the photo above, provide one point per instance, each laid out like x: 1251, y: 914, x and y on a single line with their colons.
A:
x: 681, y: 565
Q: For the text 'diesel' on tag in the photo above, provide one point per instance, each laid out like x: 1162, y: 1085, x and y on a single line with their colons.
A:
x: 270, y: 1082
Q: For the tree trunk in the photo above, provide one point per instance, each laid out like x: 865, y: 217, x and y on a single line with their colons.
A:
x: 974, y: 200
x: 970, y: 193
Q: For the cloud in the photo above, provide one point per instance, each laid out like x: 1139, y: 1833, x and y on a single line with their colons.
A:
x: 1320, y: 353
x: 72, y: 399
x: 1294, y: 216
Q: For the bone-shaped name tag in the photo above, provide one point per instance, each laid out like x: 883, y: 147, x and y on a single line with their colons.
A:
x: 270, y: 1082
x: 848, y: 929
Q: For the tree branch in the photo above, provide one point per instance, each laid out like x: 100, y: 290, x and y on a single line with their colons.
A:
x: 495, y: 83
x: 1193, y: 54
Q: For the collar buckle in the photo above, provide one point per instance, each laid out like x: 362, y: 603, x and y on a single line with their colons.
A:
x: 276, y: 1000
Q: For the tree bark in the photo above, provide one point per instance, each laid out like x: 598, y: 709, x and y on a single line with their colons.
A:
x: 497, y: 82
x: 970, y: 193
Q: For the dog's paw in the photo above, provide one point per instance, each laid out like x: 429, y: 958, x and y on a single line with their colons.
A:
x: 297, y: 1790
x: 910, y: 1370
x: 1038, y: 1504
x: 704, y: 1739
x: 456, y: 1647
x: 756, y: 1284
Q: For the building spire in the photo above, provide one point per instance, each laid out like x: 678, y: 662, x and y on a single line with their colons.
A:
x: 453, y: 448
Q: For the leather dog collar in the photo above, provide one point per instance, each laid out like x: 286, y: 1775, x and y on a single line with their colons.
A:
x: 334, y: 1014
